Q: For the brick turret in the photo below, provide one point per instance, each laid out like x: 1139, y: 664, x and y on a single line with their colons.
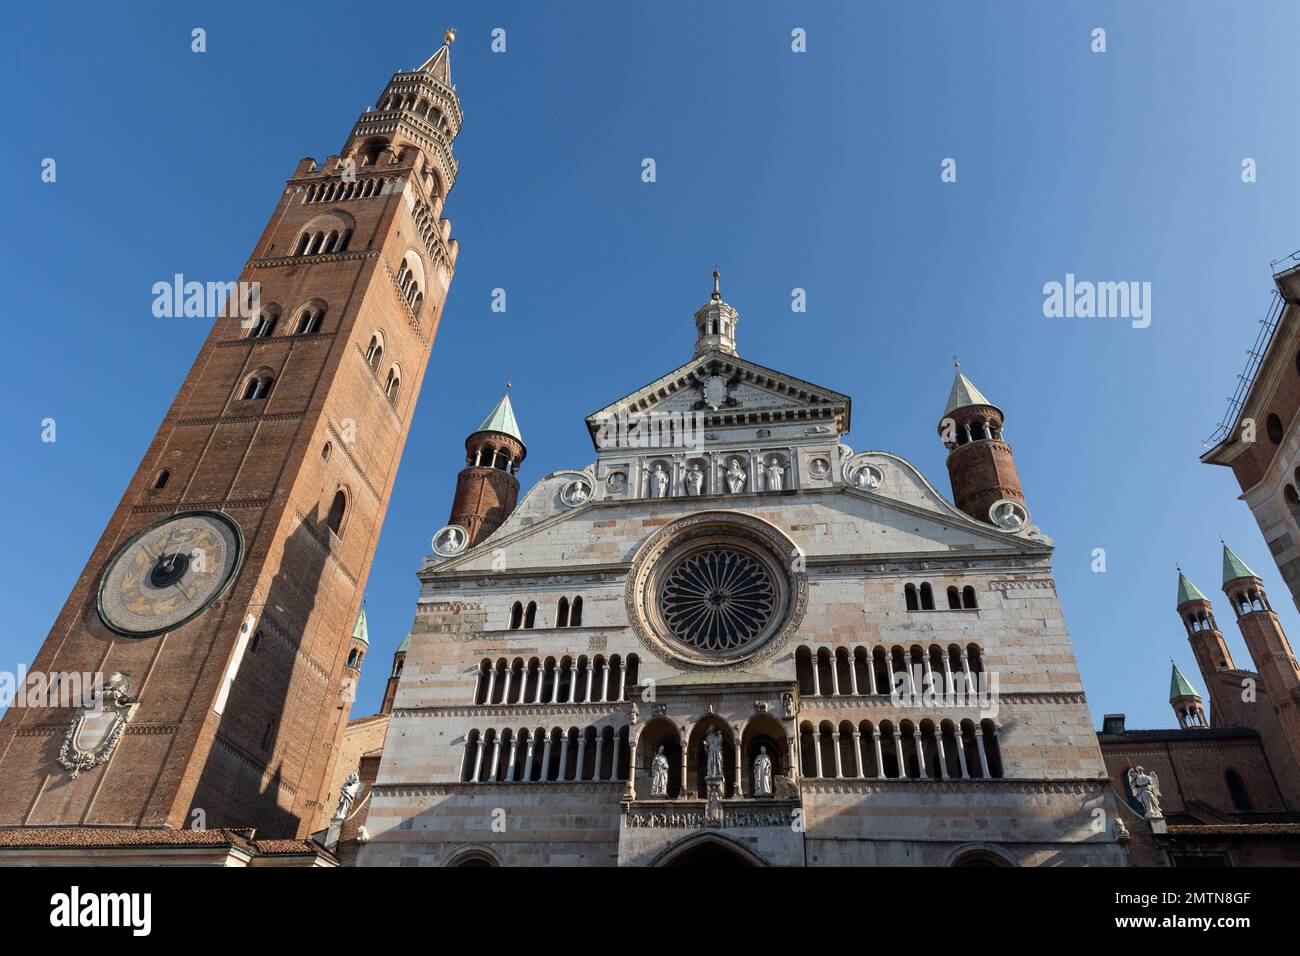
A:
x: 486, y: 488
x: 980, y: 464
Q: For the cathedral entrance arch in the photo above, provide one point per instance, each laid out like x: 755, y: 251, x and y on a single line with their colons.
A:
x: 708, y: 850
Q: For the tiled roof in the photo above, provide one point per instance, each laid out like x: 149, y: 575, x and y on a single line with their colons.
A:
x: 91, y: 838
x: 1235, y: 829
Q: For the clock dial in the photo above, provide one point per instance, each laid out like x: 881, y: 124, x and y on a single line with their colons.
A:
x: 170, y: 573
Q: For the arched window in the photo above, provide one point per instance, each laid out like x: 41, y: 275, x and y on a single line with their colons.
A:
x: 375, y: 351
x: 338, y: 509
x: 516, y: 616
x: 968, y: 597
x: 1273, y: 426
x: 575, y: 613
x: 1237, y: 791
x: 268, y: 735
x: 325, y: 451
x: 258, y: 387
x: 530, y: 614
x: 909, y: 592
x: 309, y: 320
x: 562, y: 613
x: 927, y: 597
x: 160, y: 482
x: 392, y: 384
x: 352, y: 658
x: 954, y: 599
x: 263, y: 326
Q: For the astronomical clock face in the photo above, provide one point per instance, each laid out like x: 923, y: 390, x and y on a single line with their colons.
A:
x: 170, y: 573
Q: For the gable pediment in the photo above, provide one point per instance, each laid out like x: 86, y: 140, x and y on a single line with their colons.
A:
x: 729, y: 390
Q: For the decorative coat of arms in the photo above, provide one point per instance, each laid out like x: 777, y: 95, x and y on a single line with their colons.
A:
x: 95, y: 731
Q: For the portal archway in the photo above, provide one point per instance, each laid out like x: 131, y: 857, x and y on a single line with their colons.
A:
x: 708, y: 850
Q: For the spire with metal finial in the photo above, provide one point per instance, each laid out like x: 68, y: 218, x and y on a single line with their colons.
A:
x: 715, y: 323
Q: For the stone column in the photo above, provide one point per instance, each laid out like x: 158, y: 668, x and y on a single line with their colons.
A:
x: 979, y: 742
x: 898, y: 753
x: 604, y: 682
x: 685, y: 760
x: 960, y: 738
x: 943, y: 757
x: 564, y: 759
x: 514, y: 753
x: 541, y: 682
x: 505, y: 691
x: 600, y: 753
x: 817, y: 752
x: 889, y: 670
x: 755, y: 472
x: 546, y: 759
x: 835, y: 675
x: 528, y: 763
x: 880, y: 758
x: 492, y: 684
x: 918, y: 741
x: 496, y: 759
x: 622, y: 677
x: 969, y: 677
x: 817, y: 681
x: 590, y: 675
x: 839, y: 764
x: 857, y: 755
x: 478, y: 760
x: 739, y: 792
x: 927, y: 674
x: 582, y: 755
x: 853, y: 674
x: 947, y: 677
x: 795, y: 770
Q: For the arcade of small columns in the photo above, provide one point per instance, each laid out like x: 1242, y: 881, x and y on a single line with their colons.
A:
x: 916, y: 751
x: 568, y: 681
x: 858, y: 671
x: 596, y: 754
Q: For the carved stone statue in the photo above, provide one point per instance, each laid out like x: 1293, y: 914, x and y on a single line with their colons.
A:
x: 762, y: 774
x: 694, y: 480
x: 775, y: 474
x: 659, y: 774
x: 713, y: 762
x: 659, y: 482
x: 347, y: 796
x: 735, y: 477
x: 1146, y: 788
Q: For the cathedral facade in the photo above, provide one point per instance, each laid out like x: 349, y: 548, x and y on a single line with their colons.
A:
x: 733, y: 638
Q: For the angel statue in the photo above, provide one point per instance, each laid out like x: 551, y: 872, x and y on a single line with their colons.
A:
x: 347, y: 796
x: 1145, y: 786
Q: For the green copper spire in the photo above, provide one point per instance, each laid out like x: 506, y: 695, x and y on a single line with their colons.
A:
x: 1234, y: 567
x: 1180, y: 686
x: 502, y: 419
x: 360, y: 632
x: 406, y: 642
x: 1187, y: 591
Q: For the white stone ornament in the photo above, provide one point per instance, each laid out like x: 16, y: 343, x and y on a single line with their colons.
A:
x: 1009, y: 515
x: 735, y: 477
x: 576, y: 492
x: 1146, y: 789
x: 775, y: 474
x: 95, y: 731
x: 616, y: 481
x: 762, y: 774
x: 819, y: 468
x: 450, y: 541
x: 659, y: 482
x: 659, y: 775
x: 865, y: 476
x: 694, y: 480
x: 715, y: 391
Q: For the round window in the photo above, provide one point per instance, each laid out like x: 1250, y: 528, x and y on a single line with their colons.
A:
x: 717, y: 599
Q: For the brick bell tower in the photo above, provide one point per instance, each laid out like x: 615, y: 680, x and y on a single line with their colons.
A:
x: 228, y: 581
x: 1274, y: 660
x: 980, y: 464
x: 486, y: 488
x: 1208, y: 642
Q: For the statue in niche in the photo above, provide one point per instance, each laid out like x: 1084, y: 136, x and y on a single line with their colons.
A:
x: 694, y: 480
x: 735, y: 477
x: 659, y: 774
x: 775, y: 474
x: 658, y: 482
x: 713, y: 761
x: 762, y: 774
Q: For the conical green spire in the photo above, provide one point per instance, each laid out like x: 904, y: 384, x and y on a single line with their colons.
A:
x: 360, y: 632
x: 1187, y: 591
x: 1180, y: 686
x: 502, y: 419
x: 1234, y: 567
x: 406, y: 642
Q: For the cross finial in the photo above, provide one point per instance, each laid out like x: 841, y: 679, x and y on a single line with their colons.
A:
x: 508, y: 385
x: 450, y: 36
x: 717, y: 292
x: 956, y: 363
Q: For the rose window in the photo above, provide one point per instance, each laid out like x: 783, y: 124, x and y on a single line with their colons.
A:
x: 718, y: 600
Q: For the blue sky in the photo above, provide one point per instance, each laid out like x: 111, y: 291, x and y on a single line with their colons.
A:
x: 817, y: 170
